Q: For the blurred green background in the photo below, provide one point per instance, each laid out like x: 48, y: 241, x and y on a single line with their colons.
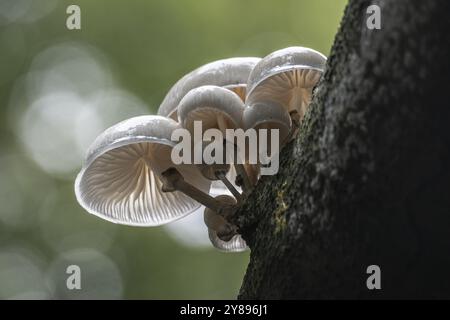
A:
x: 60, y: 88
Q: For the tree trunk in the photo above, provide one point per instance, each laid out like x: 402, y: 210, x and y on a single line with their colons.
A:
x: 367, y: 181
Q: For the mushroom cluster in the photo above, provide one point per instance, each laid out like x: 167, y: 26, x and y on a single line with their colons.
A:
x: 129, y: 177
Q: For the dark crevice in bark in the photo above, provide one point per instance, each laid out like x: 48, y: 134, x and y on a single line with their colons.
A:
x: 367, y: 181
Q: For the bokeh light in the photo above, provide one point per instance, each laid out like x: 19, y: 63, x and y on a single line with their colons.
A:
x: 22, y: 275
x: 73, y: 98
x: 24, y: 11
x: 84, y: 230
x: 100, y: 278
x: 21, y: 186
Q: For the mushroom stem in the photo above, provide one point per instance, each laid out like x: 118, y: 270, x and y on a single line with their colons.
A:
x: 174, y: 181
x: 242, y: 173
x: 221, y: 175
x: 296, y: 119
x: 296, y: 100
x: 223, y: 229
x: 246, y: 184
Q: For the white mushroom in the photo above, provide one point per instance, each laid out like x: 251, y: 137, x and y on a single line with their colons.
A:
x: 216, y: 108
x: 268, y: 115
x: 120, y: 180
x: 229, y: 73
x: 286, y: 76
x: 128, y: 176
x: 222, y: 234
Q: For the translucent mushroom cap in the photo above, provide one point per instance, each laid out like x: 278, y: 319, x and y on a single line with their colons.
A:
x: 269, y: 115
x: 229, y: 73
x: 236, y: 244
x: 119, y: 180
x: 214, y: 106
x: 215, y: 222
x: 286, y: 76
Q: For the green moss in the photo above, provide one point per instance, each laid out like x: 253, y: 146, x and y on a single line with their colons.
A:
x: 279, y: 213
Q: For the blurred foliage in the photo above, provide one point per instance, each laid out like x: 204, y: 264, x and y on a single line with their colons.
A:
x: 147, y: 46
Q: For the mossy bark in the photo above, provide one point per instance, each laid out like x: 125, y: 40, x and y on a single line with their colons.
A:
x: 367, y: 181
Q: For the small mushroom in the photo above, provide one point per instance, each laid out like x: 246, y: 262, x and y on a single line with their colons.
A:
x: 268, y: 115
x: 286, y: 77
x: 122, y: 176
x: 216, y: 108
x: 229, y: 73
x: 223, y: 235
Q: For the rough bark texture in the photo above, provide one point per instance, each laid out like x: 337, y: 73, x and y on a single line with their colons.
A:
x: 367, y: 181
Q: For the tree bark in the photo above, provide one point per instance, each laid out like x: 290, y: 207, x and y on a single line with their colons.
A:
x: 367, y: 181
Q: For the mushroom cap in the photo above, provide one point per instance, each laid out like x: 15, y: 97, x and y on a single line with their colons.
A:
x: 229, y: 73
x: 239, y: 89
x: 286, y: 76
x: 268, y: 115
x: 214, y: 106
x: 236, y: 243
x: 119, y: 180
